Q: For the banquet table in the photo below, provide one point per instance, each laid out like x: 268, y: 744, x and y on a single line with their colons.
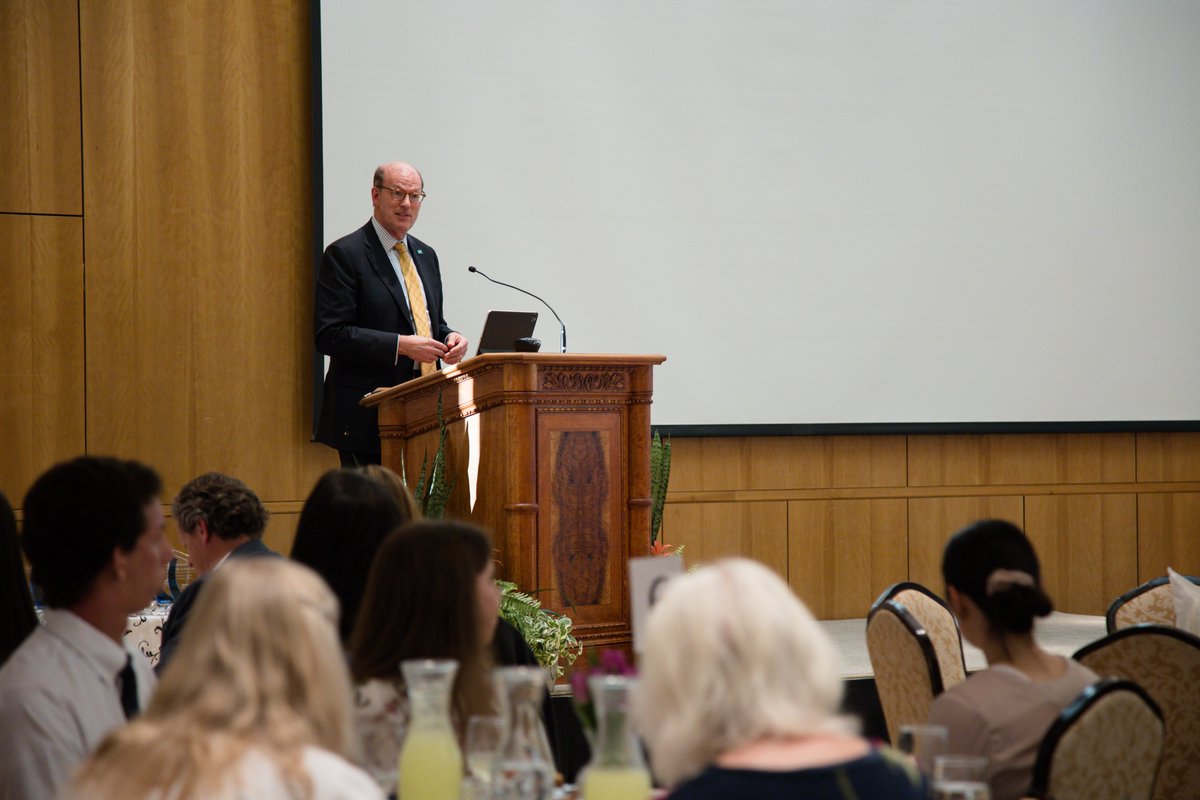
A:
x: 143, y: 630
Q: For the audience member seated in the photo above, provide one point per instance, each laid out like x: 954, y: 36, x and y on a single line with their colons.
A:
x: 343, y: 521
x: 430, y: 594
x: 93, y: 534
x: 994, y: 587
x: 17, y: 617
x: 395, y: 484
x: 257, y: 704
x: 219, y: 518
x: 739, y: 693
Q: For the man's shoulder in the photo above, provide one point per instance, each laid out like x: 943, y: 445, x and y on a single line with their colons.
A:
x: 42, y: 663
x: 354, y: 239
x: 254, y: 547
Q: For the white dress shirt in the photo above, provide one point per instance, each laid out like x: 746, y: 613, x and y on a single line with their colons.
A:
x: 389, y: 243
x: 59, y: 696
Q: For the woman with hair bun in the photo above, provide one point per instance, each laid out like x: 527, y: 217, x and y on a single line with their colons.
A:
x: 994, y: 587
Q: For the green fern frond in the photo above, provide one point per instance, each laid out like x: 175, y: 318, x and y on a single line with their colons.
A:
x: 660, y: 475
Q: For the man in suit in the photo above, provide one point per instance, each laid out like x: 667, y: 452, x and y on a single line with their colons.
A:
x: 219, y: 518
x: 378, y: 314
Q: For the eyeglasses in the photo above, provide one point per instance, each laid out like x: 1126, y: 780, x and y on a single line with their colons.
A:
x: 399, y: 194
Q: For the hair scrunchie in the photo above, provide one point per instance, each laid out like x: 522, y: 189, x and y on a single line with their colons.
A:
x: 1003, y: 578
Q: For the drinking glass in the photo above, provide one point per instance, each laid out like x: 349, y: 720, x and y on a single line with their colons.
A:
x: 924, y: 743
x: 485, y: 736
x: 960, y: 778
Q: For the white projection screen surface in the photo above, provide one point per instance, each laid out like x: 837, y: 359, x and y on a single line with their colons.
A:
x: 823, y: 213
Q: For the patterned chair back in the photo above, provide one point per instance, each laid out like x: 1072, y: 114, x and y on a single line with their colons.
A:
x: 1166, y: 663
x: 904, y: 661
x: 939, y: 622
x: 1104, y: 746
x: 1151, y: 602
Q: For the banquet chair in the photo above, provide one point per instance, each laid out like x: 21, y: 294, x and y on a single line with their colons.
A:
x: 1106, y: 745
x: 905, y: 663
x: 1151, y: 602
x: 938, y: 621
x: 1164, y: 661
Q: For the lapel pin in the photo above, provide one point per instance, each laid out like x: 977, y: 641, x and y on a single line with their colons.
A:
x: 420, y: 252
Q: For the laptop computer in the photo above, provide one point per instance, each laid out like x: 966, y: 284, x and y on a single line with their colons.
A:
x: 502, y: 329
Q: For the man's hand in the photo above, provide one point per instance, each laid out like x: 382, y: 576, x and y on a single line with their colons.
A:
x: 458, y: 348
x: 422, y: 349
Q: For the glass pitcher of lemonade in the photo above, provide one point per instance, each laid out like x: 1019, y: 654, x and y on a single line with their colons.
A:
x: 431, y: 763
x: 617, y: 770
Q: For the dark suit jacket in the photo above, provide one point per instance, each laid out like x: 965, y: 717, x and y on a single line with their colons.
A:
x: 173, y: 627
x: 359, y: 310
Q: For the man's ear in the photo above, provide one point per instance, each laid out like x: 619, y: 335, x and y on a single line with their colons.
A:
x: 118, y: 564
x: 955, y: 599
x: 201, y: 532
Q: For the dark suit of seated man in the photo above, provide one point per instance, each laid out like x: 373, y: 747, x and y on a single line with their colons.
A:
x: 219, y: 517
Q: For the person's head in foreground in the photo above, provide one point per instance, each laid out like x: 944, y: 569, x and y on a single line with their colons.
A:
x: 993, y: 582
x: 259, y: 698
x: 430, y: 594
x: 739, y: 693
x: 94, y: 538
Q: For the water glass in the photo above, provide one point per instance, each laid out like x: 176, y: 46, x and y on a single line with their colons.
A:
x: 485, y: 735
x: 924, y: 743
x: 960, y: 778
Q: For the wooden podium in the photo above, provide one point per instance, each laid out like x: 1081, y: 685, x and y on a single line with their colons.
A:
x: 551, y: 452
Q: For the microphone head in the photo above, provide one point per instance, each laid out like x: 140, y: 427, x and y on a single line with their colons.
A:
x: 471, y: 269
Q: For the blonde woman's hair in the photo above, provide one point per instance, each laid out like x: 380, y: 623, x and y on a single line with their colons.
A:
x: 732, y: 657
x: 261, y: 668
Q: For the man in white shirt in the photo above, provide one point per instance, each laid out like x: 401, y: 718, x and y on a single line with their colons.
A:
x: 93, y: 534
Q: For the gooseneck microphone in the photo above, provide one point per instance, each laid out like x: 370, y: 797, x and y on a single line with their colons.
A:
x: 562, y: 333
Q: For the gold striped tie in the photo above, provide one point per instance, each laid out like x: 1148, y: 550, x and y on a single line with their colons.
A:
x: 416, y: 300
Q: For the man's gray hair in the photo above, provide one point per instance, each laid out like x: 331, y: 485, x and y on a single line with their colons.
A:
x: 228, y: 507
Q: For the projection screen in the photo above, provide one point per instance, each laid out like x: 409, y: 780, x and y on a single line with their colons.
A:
x: 872, y: 215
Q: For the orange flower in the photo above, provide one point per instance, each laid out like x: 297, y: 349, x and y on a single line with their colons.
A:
x: 661, y: 548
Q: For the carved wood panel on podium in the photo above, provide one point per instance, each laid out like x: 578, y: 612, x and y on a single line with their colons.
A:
x: 551, y: 452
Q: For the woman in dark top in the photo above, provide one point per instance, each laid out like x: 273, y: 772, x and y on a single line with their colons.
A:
x: 739, y: 696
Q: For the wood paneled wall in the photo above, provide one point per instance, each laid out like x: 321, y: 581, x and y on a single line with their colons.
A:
x: 844, y: 517
x: 165, y: 313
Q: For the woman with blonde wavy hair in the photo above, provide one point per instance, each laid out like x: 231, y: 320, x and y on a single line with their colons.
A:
x: 739, y: 697
x: 255, y: 704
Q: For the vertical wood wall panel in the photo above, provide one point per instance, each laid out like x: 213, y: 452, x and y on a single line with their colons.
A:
x: 1087, y: 545
x: 1168, y: 534
x: 1168, y: 456
x: 933, y: 520
x: 41, y: 338
x: 843, y: 553
x: 966, y: 460
x: 710, y: 531
x: 199, y: 275
x: 39, y: 107
x: 782, y: 462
